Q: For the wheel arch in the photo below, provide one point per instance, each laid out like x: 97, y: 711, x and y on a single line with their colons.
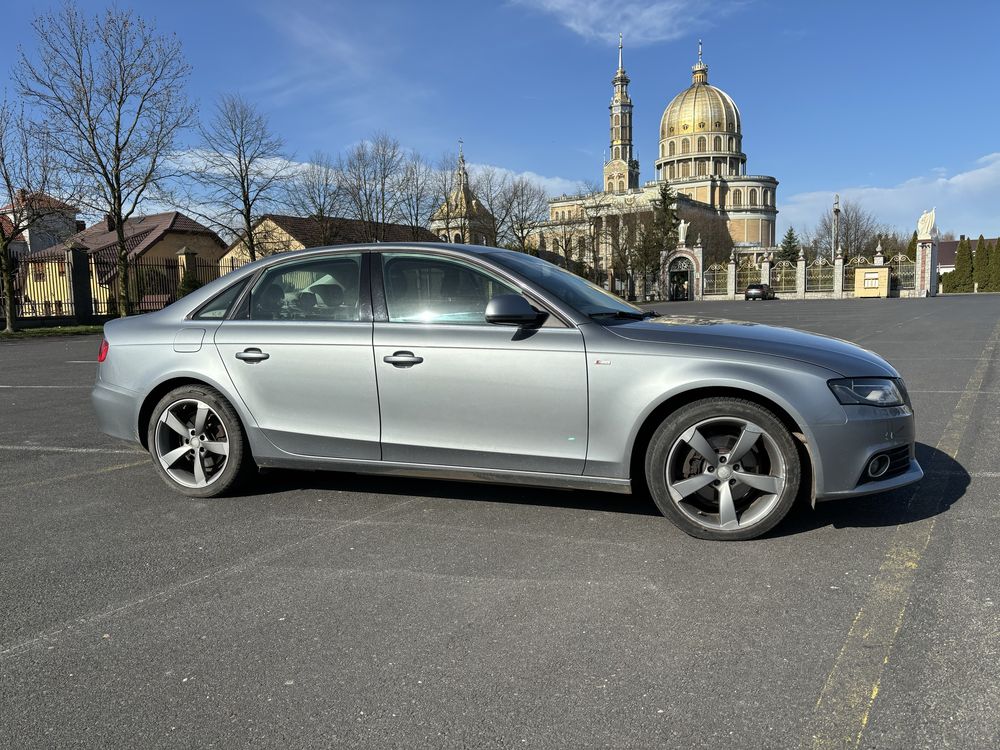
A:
x: 164, y: 387
x: 648, y: 425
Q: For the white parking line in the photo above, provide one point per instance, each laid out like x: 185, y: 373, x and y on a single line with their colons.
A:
x: 81, y: 361
x: 46, y: 386
x: 60, y: 449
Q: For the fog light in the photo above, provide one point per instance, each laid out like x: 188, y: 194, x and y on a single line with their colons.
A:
x: 878, y: 466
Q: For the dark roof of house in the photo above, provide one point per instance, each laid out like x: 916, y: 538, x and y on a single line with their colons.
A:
x: 309, y: 231
x: 948, y: 249
x: 39, y: 200
x: 141, y: 233
x: 8, y: 227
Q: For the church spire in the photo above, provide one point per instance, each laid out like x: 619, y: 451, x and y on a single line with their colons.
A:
x: 621, y: 170
x: 699, y: 71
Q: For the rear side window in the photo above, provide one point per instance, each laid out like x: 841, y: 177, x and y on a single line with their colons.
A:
x: 326, y: 289
x: 218, y: 307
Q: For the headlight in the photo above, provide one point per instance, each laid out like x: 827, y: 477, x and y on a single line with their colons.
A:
x: 868, y: 391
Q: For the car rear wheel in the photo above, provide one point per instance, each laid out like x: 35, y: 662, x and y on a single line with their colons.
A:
x: 197, y: 442
x: 723, y: 469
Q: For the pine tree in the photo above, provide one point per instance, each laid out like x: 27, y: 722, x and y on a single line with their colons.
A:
x: 665, y: 219
x: 982, y: 265
x: 963, y: 273
x: 911, y: 249
x: 789, y: 246
x: 995, y: 267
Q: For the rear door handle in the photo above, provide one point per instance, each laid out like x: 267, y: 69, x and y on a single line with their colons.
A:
x: 252, y: 356
x: 403, y: 359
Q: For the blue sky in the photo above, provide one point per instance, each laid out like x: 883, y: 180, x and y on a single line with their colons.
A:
x: 892, y: 103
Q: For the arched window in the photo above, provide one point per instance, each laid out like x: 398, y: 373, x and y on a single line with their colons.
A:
x: 618, y: 152
x: 671, y: 171
x: 621, y: 186
x: 732, y: 143
x: 671, y: 148
x: 702, y: 168
x: 702, y: 144
x: 618, y: 121
x: 737, y: 198
x: 753, y: 197
x: 766, y: 197
x: 458, y: 237
x: 685, y: 169
x: 661, y: 150
x: 685, y: 146
x: 717, y: 143
x: 611, y: 186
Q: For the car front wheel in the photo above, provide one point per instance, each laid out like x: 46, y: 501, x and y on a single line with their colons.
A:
x: 724, y: 469
x: 197, y: 442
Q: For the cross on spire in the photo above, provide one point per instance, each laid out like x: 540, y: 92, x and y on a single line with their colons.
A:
x: 619, y: 50
x: 699, y: 50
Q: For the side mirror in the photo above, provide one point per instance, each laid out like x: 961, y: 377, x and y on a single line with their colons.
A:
x: 513, y: 310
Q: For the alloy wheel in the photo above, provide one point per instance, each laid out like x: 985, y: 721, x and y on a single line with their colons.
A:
x: 725, y: 473
x: 192, y: 444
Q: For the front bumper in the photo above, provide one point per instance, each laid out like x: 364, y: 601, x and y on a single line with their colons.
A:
x: 842, y: 451
x: 117, y: 410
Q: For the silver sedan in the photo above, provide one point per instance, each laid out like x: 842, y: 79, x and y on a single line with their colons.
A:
x: 482, y: 364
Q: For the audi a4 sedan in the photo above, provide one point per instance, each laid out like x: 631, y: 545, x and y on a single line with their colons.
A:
x: 475, y: 363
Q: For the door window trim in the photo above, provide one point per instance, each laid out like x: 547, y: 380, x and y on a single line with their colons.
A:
x: 241, y: 309
x: 380, y: 308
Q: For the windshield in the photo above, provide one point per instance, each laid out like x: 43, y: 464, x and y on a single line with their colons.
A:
x: 574, y: 290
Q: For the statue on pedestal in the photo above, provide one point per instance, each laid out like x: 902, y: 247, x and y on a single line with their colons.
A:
x: 682, y: 232
x: 926, y: 228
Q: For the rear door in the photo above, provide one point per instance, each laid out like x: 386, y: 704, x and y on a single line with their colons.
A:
x: 301, y: 357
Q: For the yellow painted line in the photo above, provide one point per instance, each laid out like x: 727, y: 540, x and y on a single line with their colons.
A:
x: 845, y: 703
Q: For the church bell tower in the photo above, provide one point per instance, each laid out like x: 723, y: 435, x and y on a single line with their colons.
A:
x: 621, y: 170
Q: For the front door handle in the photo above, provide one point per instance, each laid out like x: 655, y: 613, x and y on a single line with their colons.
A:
x: 403, y: 359
x: 252, y: 356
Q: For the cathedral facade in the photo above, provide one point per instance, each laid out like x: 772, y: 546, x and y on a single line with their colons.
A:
x: 701, y: 157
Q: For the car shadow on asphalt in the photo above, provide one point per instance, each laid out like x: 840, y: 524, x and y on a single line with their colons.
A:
x: 945, y: 482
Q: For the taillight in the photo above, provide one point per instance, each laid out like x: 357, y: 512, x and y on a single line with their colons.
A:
x: 102, y: 353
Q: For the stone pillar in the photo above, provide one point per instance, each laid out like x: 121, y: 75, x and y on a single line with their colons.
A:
x: 731, y: 277
x: 879, y: 259
x: 838, y: 274
x: 765, y: 270
x: 699, y: 267
x: 800, y: 276
x: 187, y: 259
x: 78, y: 265
x: 926, y: 267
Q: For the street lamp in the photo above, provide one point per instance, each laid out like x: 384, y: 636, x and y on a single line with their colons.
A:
x: 836, y: 225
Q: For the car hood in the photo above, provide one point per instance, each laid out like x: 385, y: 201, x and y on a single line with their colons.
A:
x: 833, y: 354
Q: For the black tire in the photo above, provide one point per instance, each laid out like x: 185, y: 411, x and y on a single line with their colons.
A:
x: 221, y: 426
x: 770, y: 461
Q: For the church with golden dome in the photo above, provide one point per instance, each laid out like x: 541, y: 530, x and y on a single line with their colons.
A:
x: 700, y: 155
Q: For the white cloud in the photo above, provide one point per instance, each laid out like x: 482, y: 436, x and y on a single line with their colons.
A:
x: 639, y: 22
x: 552, y: 186
x: 967, y: 202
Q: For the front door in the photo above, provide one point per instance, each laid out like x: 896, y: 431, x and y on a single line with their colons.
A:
x: 301, y: 359
x: 457, y: 391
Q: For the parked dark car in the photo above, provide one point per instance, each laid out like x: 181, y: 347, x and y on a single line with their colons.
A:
x: 758, y: 291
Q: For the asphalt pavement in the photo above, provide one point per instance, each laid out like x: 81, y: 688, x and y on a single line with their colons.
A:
x: 336, y: 610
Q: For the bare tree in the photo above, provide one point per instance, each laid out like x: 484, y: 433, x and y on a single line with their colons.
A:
x: 28, y: 178
x: 494, y: 188
x: 369, y: 178
x: 313, y: 190
x: 416, y: 192
x: 859, y: 231
x: 528, y: 208
x: 237, y: 173
x: 111, y: 91
x: 443, y: 198
x: 567, y: 231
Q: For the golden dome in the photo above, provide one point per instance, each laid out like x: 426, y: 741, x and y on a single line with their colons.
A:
x: 701, y: 108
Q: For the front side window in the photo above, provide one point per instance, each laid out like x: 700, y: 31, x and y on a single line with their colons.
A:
x: 321, y: 289
x: 426, y: 289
